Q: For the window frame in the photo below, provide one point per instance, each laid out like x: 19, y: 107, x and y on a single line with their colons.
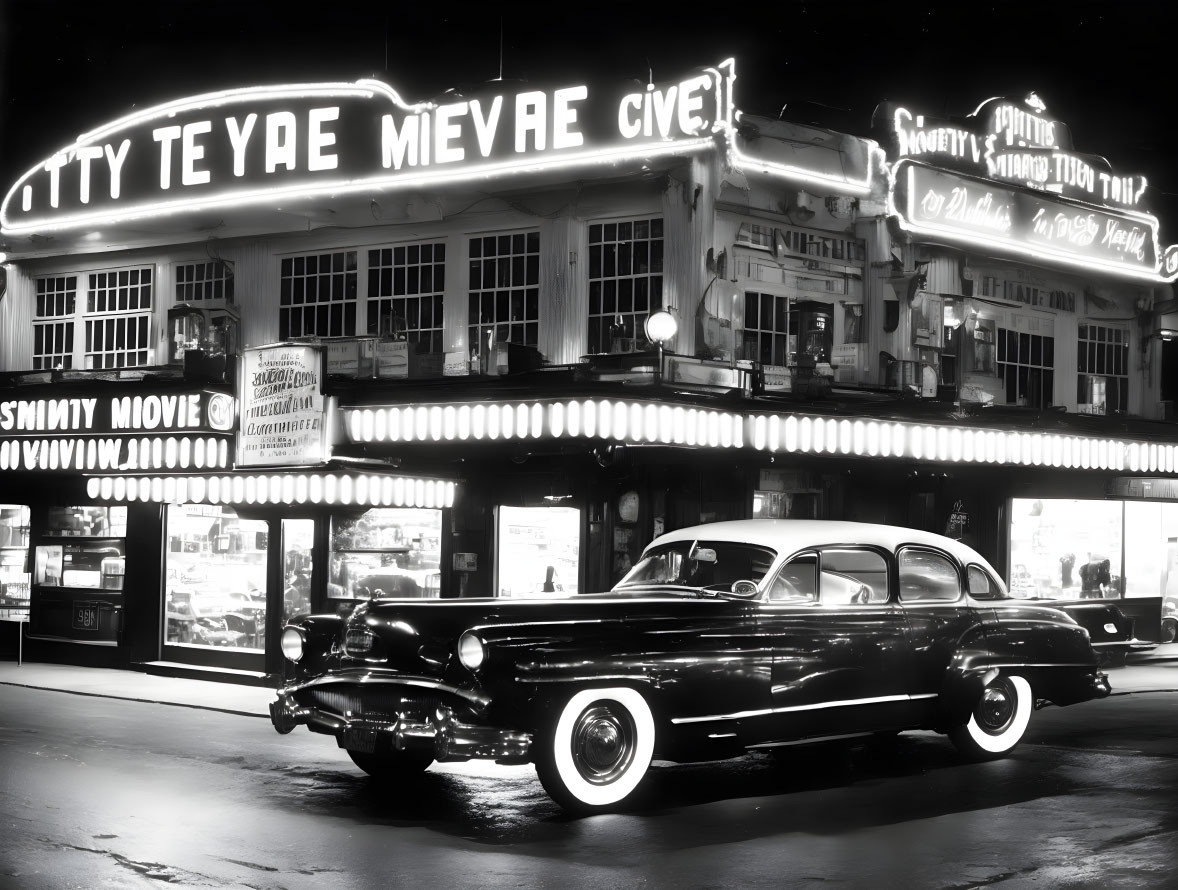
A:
x: 901, y: 552
x: 604, y: 319
x: 82, y: 325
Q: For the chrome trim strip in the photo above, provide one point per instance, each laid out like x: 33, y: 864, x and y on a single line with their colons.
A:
x: 370, y: 677
x: 762, y: 712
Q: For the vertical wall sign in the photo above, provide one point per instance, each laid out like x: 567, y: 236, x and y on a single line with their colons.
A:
x: 283, y: 410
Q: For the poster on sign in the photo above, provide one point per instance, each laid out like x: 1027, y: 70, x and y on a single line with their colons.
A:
x: 282, y: 407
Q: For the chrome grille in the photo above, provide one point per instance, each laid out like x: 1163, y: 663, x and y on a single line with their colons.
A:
x: 372, y: 702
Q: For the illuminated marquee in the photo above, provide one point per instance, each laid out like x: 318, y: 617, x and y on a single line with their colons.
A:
x: 152, y: 432
x: 252, y: 146
x: 639, y: 422
x: 947, y: 205
x: 1010, y: 141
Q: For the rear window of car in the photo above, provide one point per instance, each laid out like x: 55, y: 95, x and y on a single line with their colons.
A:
x: 983, y: 585
x: 927, y: 576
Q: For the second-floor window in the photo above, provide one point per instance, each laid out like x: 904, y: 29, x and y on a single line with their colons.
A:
x: 1102, y: 366
x: 318, y: 295
x: 1026, y: 365
x: 93, y: 320
x: 504, y: 291
x: 625, y: 281
x: 405, y: 287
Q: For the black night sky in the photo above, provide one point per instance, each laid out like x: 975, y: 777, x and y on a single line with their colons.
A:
x: 1104, y: 68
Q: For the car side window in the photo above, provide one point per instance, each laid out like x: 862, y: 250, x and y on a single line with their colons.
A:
x: 927, y: 576
x: 982, y: 585
x: 852, y: 576
x: 797, y: 582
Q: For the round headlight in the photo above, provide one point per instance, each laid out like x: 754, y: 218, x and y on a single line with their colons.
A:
x: 471, y: 651
x: 292, y: 643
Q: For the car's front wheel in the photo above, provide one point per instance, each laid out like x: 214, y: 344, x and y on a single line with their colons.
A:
x: 1169, y: 630
x: 999, y: 719
x: 598, y: 749
x: 391, y: 764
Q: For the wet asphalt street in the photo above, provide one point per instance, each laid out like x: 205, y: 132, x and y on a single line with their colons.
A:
x: 98, y: 792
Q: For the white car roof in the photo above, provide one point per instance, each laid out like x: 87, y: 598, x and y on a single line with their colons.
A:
x: 788, y: 536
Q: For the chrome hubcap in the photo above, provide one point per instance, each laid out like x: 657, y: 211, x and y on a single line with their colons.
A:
x: 996, y: 709
x: 603, y: 744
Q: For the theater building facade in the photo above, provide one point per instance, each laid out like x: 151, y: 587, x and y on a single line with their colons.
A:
x: 277, y: 349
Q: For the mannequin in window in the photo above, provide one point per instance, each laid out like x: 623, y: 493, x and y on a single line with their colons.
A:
x: 1095, y: 578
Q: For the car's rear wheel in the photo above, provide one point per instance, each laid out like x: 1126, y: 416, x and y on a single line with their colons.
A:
x: 391, y: 764
x: 999, y: 719
x: 598, y: 749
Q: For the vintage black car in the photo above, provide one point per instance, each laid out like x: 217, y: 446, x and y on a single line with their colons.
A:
x: 723, y: 638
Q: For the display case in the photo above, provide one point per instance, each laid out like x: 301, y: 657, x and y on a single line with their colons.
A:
x: 78, y: 565
x: 14, y: 561
x: 385, y: 552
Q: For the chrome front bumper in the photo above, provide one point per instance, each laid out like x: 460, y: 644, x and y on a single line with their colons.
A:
x: 449, y: 740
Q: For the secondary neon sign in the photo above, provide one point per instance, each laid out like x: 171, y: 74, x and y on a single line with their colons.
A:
x: 1014, y: 142
x: 943, y: 204
x: 167, y: 431
x: 254, y: 146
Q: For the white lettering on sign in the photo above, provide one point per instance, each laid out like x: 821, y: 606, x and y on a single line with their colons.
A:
x: 916, y: 140
x: 981, y: 209
x: 156, y: 412
x: 246, y: 145
x: 1018, y: 127
x: 47, y: 414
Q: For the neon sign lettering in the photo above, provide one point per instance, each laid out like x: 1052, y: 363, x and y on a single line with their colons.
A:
x: 255, y: 146
x: 1010, y: 142
x: 946, y: 205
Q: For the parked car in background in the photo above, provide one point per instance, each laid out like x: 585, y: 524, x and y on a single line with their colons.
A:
x: 723, y: 638
x: 1169, y: 619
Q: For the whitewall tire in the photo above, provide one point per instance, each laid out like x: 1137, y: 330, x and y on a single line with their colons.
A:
x: 598, y: 750
x: 999, y: 719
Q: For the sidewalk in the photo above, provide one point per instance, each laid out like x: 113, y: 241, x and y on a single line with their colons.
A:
x: 232, y: 698
x: 1147, y: 673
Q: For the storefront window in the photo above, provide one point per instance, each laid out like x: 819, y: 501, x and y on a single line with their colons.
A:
x: 298, y: 560
x: 215, y: 569
x: 14, y: 561
x: 538, y: 551
x: 1066, y: 548
x: 386, y: 551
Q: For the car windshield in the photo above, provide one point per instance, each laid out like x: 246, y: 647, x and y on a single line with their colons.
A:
x: 714, y: 565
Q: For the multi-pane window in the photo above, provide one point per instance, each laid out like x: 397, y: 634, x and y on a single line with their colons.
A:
x: 1102, y: 365
x: 118, y: 318
x: 317, y: 296
x: 405, y: 287
x: 767, y: 329
x: 113, y: 315
x: 625, y: 280
x: 53, y: 326
x: 1026, y: 365
x: 504, y: 295
x: 196, y: 282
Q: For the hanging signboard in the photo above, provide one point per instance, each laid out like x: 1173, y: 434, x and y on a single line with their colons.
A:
x: 283, y: 409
